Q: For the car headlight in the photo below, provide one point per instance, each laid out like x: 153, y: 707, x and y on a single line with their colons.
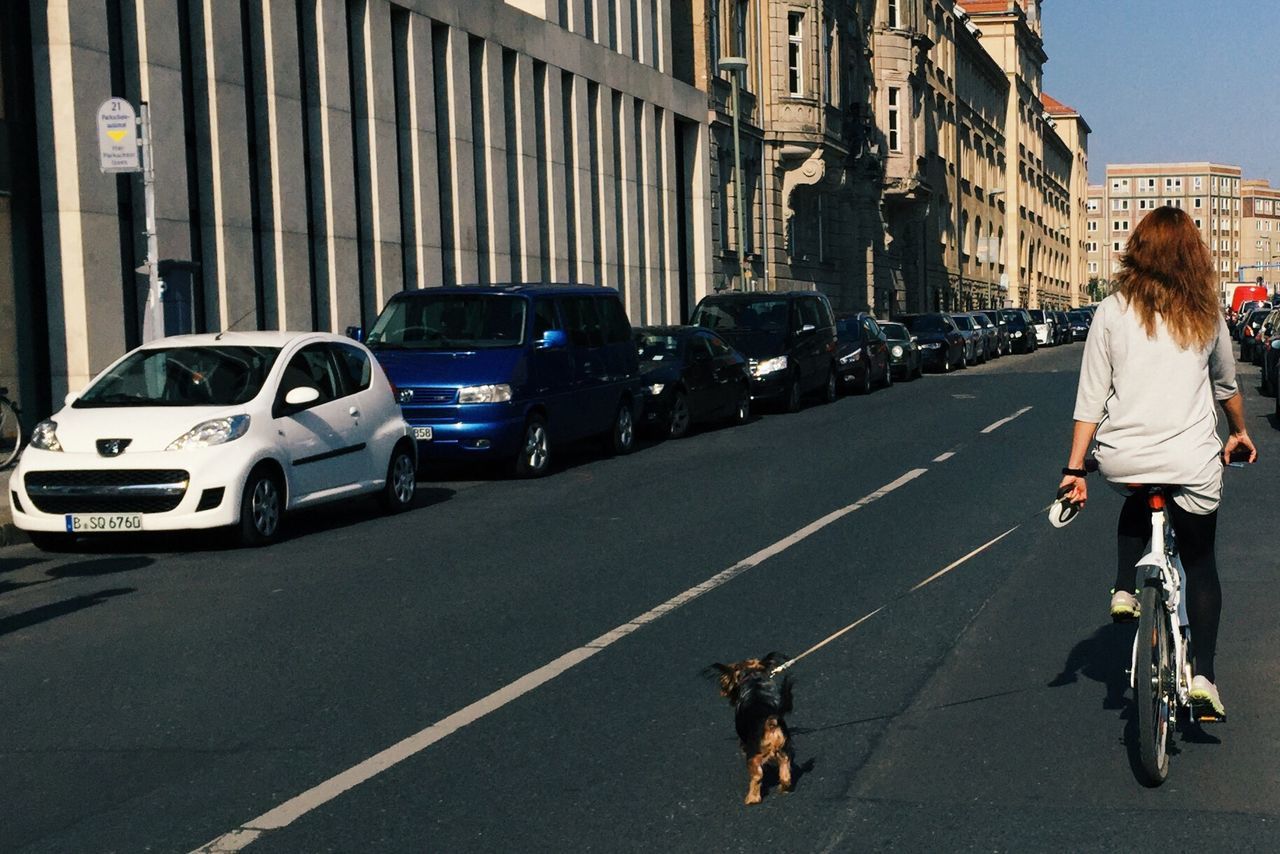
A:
x: 931, y: 345
x: 216, y: 431
x: 1015, y: 334
x: 656, y: 388
x: 856, y: 354
x: 45, y: 436
x: 770, y: 366
x: 896, y: 351
x: 500, y: 393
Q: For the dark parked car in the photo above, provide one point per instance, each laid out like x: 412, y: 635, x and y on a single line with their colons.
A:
x: 1002, y: 329
x: 1022, y: 332
x: 1249, y: 331
x: 905, y: 361
x: 975, y: 350
x: 690, y: 375
x: 788, y: 338
x: 510, y: 372
x: 1062, y: 327
x: 862, y: 354
x: 1079, y: 321
x: 1262, y: 339
x: 990, y: 335
x: 1270, y: 365
x: 941, y: 344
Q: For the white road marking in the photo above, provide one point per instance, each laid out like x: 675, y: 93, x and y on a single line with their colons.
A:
x: 942, y: 458
x: 988, y: 544
x: 293, y: 809
x: 1003, y: 421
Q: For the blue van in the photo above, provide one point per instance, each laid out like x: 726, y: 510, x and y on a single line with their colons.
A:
x: 510, y: 372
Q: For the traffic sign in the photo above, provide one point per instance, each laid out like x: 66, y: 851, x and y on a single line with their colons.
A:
x: 118, y: 137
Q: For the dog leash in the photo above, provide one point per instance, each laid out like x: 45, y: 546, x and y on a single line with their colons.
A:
x: 1065, y: 512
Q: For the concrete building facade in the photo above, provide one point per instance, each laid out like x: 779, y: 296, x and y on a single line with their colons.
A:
x: 1260, y: 233
x: 313, y: 157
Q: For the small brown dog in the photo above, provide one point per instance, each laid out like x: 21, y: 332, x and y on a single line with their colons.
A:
x: 759, y: 702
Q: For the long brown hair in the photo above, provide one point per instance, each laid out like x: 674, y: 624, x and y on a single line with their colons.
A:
x: 1166, y: 270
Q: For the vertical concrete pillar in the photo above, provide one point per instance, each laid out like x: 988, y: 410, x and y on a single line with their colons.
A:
x: 577, y: 22
x: 557, y: 221
x: 493, y: 102
x: 650, y: 199
x: 630, y: 202
x: 644, y: 25
x: 606, y: 195
x: 530, y: 223
x: 462, y: 166
x: 698, y: 175
x: 668, y: 190
x: 583, y: 200
x: 424, y: 182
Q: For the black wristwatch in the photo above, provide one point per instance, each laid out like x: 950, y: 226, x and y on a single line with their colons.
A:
x: 1076, y: 472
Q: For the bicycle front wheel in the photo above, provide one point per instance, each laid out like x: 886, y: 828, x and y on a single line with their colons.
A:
x: 10, y: 433
x: 1153, y: 680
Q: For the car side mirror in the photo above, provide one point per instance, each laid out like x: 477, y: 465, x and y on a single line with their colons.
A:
x: 70, y: 398
x: 356, y: 333
x: 553, y: 339
x: 301, y: 396
x: 807, y: 328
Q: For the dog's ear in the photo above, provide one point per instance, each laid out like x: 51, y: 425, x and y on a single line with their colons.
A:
x: 716, y: 670
x: 773, y: 659
x: 725, y: 675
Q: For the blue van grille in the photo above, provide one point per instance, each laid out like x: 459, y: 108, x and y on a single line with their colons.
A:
x: 431, y: 396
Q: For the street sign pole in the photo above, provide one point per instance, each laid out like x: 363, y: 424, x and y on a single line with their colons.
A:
x: 155, y: 305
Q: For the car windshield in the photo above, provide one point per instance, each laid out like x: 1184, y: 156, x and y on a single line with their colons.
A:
x: 1037, y: 316
x: 183, y: 376
x: 926, y: 323
x: 847, y: 327
x: 981, y: 320
x: 739, y: 315
x: 963, y: 321
x: 444, y: 321
x: 656, y: 347
x: 895, y: 332
x: 1013, y: 318
x: 1079, y: 316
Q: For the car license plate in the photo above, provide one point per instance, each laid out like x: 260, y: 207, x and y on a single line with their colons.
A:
x: 87, y: 523
x: 423, y: 433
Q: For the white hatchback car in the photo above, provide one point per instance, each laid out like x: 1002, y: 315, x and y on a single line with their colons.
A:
x: 206, y: 431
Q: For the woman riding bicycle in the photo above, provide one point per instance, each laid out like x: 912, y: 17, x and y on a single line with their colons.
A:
x: 1157, y: 356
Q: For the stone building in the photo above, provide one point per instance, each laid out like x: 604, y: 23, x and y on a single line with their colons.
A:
x: 313, y: 157
x: 1260, y: 233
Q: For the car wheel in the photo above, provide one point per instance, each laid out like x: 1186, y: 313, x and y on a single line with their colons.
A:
x: 402, y: 481
x: 622, y: 436
x: 535, y: 449
x: 50, y: 541
x: 888, y: 376
x: 964, y: 361
x: 864, y: 387
x: 946, y: 363
x: 794, y: 395
x: 831, y: 390
x: 743, y: 410
x: 919, y: 368
x: 261, y: 508
x: 678, y: 425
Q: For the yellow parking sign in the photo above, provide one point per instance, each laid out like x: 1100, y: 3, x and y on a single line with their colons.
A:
x: 118, y: 137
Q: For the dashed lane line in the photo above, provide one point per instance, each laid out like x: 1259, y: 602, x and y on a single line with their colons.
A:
x: 991, y: 428
x: 298, y: 806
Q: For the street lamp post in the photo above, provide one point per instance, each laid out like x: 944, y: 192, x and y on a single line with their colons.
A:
x: 735, y: 65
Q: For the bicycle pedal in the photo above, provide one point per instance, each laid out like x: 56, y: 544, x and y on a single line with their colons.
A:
x: 1211, y: 719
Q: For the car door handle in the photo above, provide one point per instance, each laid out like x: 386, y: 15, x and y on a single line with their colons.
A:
x: 355, y: 413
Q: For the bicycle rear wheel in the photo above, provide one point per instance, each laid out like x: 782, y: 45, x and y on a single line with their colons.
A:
x: 1153, y: 678
x: 10, y: 433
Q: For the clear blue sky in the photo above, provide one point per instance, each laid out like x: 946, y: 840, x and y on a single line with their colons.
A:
x: 1170, y: 80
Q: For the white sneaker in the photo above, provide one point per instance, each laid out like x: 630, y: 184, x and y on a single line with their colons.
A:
x: 1124, y: 606
x: 1205, y: 703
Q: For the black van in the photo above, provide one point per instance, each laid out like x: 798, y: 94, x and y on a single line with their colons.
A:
x: 789, y: 339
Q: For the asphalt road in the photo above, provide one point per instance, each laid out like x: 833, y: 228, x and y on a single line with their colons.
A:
x: 168, y: 692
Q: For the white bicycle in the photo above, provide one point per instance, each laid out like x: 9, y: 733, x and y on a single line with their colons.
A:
x: 1161, y: 672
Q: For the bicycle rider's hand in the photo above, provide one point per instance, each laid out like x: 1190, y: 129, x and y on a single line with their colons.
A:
x: 1237, y: 442
x: 1077, y: 492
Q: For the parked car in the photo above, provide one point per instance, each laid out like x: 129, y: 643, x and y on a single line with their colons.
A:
x: 1042, y: 326
x: 1249, y: 330
x: 1270, y: 366
x: 789, y: 339
x: 974, y: 339
x: 905, y: 361
x: 1262, y: 338
x: 1022, y: 334
x: 990, y: 335
x: 1062, y: 328
x: 1079, y: 321
x: 1002, y: 329
x: 513, y: 372
x: 862, y: 354
x: 207, y: 431
x: 1247, y: 309
x: 941, y: 344
x: 690, y: 376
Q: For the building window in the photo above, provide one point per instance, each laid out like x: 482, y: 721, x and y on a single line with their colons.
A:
x: 713, y: 34
x: 1197, y: 182
x: 893, y: 14
x: 795, y: 52
x: 895, y: 141
x: 740, y: 28
x: 1115, y: 246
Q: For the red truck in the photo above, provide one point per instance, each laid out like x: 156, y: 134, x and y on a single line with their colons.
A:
x: 1244, y: 293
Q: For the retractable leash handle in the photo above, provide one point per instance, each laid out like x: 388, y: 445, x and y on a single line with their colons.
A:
x: 1062, y: 511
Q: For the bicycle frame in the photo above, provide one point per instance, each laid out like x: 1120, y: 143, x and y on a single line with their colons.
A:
x: 1163, y: 565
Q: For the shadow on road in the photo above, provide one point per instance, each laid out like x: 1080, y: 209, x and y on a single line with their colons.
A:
x: 1103, y: 657
x: 44, y: 613
x: 344, y: 514
x: 12, y: 564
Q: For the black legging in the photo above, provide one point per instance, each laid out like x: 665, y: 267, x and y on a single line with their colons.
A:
x: 1196, y: 534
